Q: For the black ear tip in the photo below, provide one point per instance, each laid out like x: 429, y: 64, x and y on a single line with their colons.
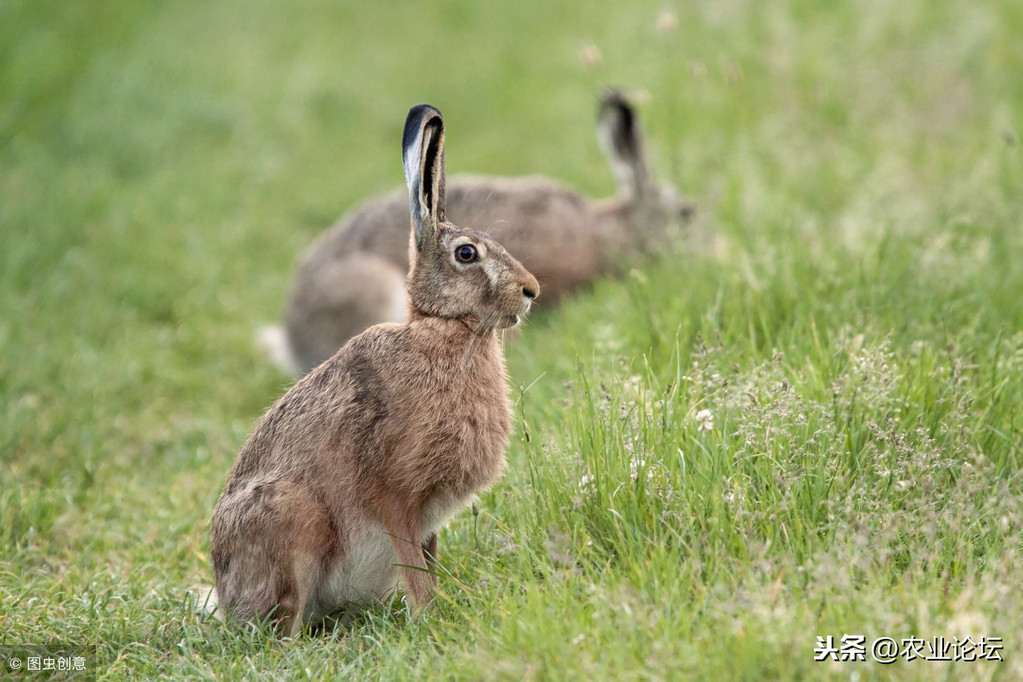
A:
x: 423, y: 111
x: 612, y: 100
x: 418, y: 117
x: 616, y: 112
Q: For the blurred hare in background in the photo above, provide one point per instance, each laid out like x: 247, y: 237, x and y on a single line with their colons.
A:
x: 353, y: 275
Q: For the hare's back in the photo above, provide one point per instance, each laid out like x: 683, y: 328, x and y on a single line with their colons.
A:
x: 555, y: 232
x: 340, y: 403
x: 379, y: 225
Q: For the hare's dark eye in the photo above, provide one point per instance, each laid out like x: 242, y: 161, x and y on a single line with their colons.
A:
x: 466, y: 253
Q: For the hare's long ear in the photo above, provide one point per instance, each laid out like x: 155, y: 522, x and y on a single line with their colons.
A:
x: 422, y: 153
x: 618, y: 134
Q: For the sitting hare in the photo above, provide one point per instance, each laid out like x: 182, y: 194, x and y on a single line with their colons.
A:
x: 341, y: 488
x: 353, y: 275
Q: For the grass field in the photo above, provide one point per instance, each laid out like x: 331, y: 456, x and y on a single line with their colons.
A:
x: 809, y: 425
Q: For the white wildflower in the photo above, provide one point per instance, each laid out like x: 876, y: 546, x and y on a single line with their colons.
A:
x: 667, y: 20
x: 706, y: 419
x: 634, y: 467
x: 589, y: 54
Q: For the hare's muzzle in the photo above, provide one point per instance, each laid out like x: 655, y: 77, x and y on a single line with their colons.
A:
x: 530, y: 290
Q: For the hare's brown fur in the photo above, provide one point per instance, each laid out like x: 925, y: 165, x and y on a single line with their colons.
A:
x: 350, y: 277
x: 345, y: 481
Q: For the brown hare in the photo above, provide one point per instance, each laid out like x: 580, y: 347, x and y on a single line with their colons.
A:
x: 341, y: 488
x: 352, y: 276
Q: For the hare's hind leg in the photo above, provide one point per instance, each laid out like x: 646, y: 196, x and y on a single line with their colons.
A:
x: 270, y: 543
x: 339, y: 300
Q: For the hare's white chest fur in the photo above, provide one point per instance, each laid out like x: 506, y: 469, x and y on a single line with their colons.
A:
x: 369, y: 572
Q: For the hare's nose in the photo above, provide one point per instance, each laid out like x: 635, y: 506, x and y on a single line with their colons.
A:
x: 529, y: 292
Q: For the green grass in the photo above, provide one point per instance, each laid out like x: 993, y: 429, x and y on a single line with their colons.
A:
x: 810, y: 424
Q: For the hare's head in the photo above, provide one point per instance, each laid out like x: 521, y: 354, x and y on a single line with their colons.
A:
x: 456, y: 273
x: 649, y: 209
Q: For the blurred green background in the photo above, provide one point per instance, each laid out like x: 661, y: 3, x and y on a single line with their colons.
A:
x: 859, y: 168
